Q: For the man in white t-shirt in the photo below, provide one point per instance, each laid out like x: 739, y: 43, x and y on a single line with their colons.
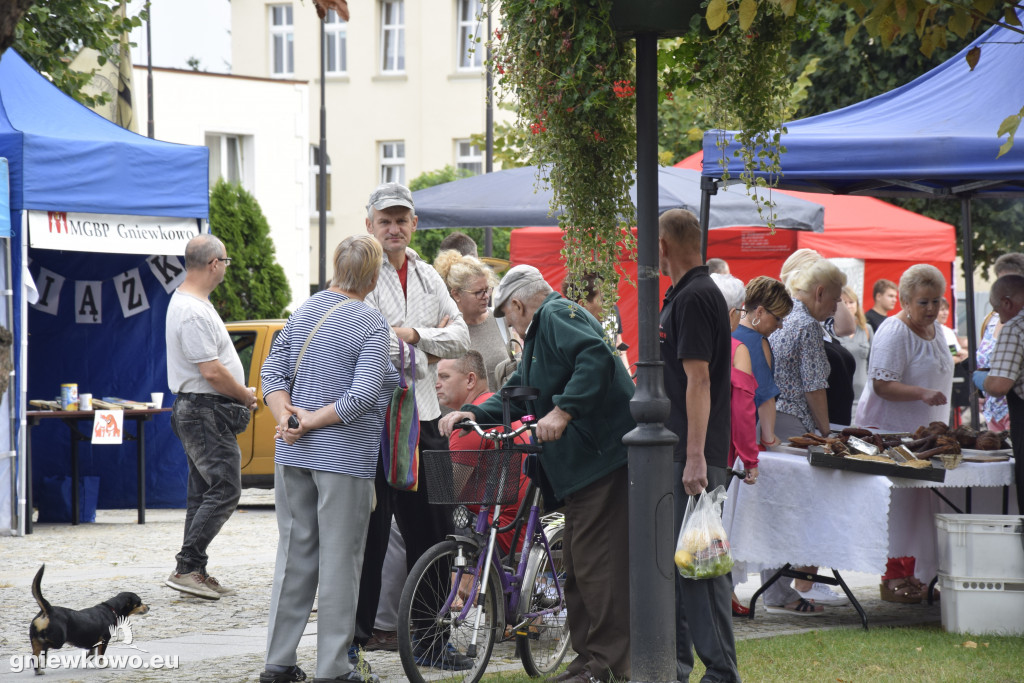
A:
x: 212, y: 406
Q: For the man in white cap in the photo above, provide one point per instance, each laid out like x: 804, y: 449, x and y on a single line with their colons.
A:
x: 584, y: 413
x: 421, y: 312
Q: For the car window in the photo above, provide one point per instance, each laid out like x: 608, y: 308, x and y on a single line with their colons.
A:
x: 244, y: 343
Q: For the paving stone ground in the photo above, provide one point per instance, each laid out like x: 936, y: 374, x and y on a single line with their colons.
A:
x: 225, y: 640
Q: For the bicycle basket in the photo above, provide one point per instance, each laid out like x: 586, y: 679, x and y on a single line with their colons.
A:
x: 489, y: 477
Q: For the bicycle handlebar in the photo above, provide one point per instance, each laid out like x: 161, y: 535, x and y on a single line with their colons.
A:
x: 494, y: 435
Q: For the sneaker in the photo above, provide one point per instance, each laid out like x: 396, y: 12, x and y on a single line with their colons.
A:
x: 382, y: 640
x: 192, y: 583
x: 217, y: 586
x: 449, y: 659
x: 351, y: 676
x: 823, y: 595
x: 289, y: 674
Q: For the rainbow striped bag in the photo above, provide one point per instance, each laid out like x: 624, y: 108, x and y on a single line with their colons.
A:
x: 399, y: 444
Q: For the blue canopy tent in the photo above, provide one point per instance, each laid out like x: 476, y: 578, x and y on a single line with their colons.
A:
x: 99, y: 210
x: 933, y: 137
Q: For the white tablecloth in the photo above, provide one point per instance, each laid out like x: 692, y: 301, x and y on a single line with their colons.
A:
x: 844, y: 520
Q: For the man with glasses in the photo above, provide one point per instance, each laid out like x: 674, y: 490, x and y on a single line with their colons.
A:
x: 212, y: 406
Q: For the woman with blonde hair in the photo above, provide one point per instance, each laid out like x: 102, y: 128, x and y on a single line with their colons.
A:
x: 910, y: 383
x: 471, y: 282
x: 858, y: 343
x: 802, y: 372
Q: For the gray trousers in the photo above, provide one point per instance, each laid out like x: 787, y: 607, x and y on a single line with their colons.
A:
x: 321, y: 521
x: 392, y: 580
x: 703, y: 607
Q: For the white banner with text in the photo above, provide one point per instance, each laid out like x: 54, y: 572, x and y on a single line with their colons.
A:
x: 110, y: 234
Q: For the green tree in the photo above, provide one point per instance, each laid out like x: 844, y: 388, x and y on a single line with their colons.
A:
x: 254, y: 286
x: 51, y: 33
x: 426, y: 242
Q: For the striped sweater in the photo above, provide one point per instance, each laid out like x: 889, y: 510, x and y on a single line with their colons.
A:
x: 347, y: 364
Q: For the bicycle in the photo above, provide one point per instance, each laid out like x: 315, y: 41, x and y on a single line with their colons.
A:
x: 460, y: 597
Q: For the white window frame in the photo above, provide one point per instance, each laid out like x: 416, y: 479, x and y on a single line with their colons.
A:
x: 282, y: 37
x: 230, y: 158
x: 468, y: 28
x: 314, y: 178
x: 392, y: 34
x: 336, y: 33
x: 392, y: 161
x: 469, y: 157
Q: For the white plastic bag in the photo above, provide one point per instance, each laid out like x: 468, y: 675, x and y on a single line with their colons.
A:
x: 702, y: 550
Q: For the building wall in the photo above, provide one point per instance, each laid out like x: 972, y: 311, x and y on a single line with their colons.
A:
x: 429, y: 107
x: 270, y: 118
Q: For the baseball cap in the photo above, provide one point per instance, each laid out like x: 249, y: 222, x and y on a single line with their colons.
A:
x: 515, y: 279
x: 390, y: 194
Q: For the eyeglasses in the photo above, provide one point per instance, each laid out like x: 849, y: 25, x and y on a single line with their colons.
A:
x: 481, y: 293
x: 226, y: 260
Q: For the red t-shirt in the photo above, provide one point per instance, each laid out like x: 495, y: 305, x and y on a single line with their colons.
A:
x: 403, y: 276
x: 471, y: 441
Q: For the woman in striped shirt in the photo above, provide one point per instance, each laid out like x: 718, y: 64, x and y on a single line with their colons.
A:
x: 324, y: 468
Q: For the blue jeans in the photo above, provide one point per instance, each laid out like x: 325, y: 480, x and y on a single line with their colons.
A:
x: 214, y: 476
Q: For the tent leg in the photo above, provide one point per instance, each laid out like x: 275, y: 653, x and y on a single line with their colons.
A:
x: 972, y: 332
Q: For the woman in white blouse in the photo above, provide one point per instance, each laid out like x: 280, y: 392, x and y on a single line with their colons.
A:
x: 910, y: 379
x: 910, y: 374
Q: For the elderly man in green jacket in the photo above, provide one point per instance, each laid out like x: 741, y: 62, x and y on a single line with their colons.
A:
x: 584, y: 413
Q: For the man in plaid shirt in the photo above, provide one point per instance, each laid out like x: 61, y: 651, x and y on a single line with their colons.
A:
x: 1006, y: 368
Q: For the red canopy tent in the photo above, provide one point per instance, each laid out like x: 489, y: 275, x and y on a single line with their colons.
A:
x: 887, y: 238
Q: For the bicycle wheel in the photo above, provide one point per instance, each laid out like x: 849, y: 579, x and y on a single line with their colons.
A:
x: 430, y: 642
x: 543, y: 640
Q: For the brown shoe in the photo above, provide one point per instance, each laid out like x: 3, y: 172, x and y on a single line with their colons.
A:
x: 382, y: 640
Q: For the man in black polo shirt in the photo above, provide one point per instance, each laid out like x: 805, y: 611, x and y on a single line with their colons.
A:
x: 696, y: 349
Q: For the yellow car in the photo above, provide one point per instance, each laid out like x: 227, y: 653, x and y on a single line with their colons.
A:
x: 252, y: 340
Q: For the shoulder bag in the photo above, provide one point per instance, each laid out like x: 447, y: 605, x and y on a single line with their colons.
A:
x: 399, y: 445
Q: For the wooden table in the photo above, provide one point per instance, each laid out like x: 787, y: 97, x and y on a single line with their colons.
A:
x: 73, y: 419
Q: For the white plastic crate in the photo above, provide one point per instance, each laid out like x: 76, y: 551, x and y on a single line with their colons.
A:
x: 980, y: 545
x: 982, y: 606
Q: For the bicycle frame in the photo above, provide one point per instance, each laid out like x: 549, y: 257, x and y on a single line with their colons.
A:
x: 488, y: 562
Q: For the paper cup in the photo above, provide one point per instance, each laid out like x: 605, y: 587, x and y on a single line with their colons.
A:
x: 157, y: 399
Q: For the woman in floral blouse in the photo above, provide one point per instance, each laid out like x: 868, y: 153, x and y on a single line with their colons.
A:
x: 801, y: 367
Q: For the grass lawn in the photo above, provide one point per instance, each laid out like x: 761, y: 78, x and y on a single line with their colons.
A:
x: 926, y: 654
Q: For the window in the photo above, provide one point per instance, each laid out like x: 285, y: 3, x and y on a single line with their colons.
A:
x: 314, y: 181
x: 281, y: 39
x: 392, y: 36
x: 245, y: 344
x: 468, y: 157
x: 392, y: 162
x: 226, y: 158
x: 470, y: 51
x: 336, y: 54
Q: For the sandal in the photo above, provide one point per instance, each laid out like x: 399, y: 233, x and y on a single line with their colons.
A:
x: 904, y: 591
x: 802, y: 608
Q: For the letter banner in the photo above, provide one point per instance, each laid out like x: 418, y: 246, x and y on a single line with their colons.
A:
x: 109, y: 234
x: 107, y: 425
x: 131, y: 293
